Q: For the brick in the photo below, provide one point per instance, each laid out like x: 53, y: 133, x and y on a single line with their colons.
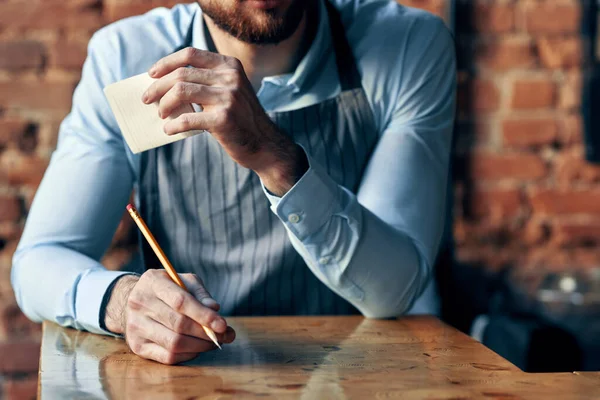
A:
x: 117, y: 9
x: 14, y: 324
x: 17, y: 168
x: 560, y: 52
x: 39, y: 95
x: 569, y: 94
x: 532, y: 94
x: 10, y: 231
x: 504, y: 54
x: 491, y: 257
x: 10, y: 208
x: 28, y: 193
x: 565, y: 201
x: 48, y: 135
x: 554, y: 259
x: 19, y: 356
x: 20, y: 54
x: 535, y: 232
x: 478, y: 95
x: 18, y: 133
x: 571, y: 129
x: 552, y: 17
x: 529, y: 133
x: 497, y: 202
x: 490, y: 166
x: 68, y: 54
x: 11, y: 129
x: 486, y: 232
x: 493, y: 18
x: 20, y: 389
x: 571, y: 166
x: 22, y: 14
x: 583, y: 258
x: 584, y: 232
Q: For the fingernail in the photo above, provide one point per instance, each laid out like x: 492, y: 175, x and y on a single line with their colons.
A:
x: 208, y: 302
x: 219, y: 325
x: 152, y: 71
x: 229, y: 336
x: 160, y: 113
x: 145, y: 98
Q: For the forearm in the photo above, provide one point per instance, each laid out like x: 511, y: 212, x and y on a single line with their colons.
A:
x: 57, y: 284
x: 371, y: 262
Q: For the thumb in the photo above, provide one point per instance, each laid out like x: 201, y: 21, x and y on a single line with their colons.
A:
x: 197, y: 289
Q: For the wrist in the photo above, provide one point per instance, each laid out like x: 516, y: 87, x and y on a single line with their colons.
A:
x: 285, y: 168
x: 114, y: 315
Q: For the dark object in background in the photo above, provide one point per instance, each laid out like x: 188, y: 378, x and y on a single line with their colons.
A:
x: 532, y: 345
x: 547, y: 322
x: 591, y: 80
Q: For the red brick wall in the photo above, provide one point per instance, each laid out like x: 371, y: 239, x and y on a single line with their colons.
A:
x: 525, y: 196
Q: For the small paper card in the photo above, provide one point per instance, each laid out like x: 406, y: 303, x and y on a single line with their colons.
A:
x: 140, y: 124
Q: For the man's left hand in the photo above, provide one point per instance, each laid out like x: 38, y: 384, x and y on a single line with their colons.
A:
x: 231, y: 113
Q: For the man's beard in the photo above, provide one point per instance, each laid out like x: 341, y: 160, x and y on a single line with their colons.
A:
x: 262, y: 27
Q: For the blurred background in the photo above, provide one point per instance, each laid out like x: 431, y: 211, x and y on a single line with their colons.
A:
x: 523, y: 275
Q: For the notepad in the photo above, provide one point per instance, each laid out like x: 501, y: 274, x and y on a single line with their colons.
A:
x: 140, y: 124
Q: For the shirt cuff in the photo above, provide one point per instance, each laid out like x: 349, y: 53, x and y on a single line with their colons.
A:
x: 90, y: 293
x: 309, y: 204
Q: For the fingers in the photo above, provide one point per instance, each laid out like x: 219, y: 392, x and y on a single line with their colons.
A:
x: 179, y: 323
x: 184, y: 303
x: 186, y: 93
x: 152, y: 351
x: 190, y: 121
x: 182, y: 74
x: 172, y: 341
x: 196, y: 288
x: 193, y: 57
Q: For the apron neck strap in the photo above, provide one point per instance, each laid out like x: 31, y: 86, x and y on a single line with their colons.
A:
x: 346, y: 64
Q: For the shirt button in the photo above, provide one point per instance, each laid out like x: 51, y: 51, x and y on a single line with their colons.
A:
x: 294, y: 218
x: 324, y: 260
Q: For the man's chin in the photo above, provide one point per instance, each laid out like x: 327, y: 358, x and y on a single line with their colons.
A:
x: 260, y: 22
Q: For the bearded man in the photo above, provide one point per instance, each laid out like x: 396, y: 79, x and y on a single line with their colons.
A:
x: 319, y: 189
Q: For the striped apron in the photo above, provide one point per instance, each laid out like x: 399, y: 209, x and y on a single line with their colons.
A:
x: 212, y: 218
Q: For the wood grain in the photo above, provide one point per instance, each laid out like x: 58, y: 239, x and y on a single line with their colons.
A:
x: 305, y: 358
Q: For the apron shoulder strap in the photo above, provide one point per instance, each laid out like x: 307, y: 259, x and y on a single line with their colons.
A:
x: 189, y: 36
x: 346, y: 64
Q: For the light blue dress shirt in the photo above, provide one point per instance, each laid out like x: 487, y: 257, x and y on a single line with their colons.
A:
x: 384, y: 239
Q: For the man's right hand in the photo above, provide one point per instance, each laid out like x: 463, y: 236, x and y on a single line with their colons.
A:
x: 162, y: 321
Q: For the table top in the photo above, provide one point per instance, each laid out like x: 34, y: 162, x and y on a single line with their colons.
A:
x: 591, y: 375
x: 306, y: 358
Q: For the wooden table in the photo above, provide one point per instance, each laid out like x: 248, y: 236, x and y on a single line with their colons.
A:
x: 306, y: 358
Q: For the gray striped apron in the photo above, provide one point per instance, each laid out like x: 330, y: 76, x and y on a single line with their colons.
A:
x: 212, y: 218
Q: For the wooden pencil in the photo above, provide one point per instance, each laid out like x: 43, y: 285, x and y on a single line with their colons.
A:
x: 164, y: 261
